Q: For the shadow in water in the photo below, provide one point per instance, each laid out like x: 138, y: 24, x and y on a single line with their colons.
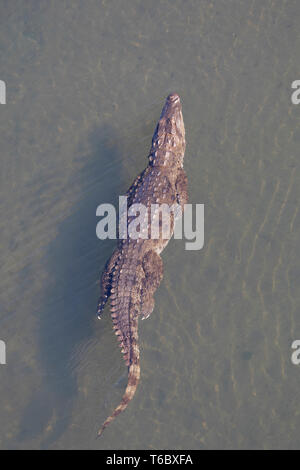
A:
x: 75, y: 262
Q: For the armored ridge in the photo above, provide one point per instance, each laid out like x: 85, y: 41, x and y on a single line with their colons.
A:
x: 135, y: 269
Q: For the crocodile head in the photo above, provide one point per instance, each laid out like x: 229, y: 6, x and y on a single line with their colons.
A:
x: 168, y: 142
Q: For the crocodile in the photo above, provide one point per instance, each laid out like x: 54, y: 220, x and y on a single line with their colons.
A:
x: 135, y: 269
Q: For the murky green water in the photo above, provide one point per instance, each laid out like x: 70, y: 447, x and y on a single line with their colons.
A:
x: 85, y: 85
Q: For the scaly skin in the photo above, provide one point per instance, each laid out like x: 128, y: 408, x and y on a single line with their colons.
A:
x: 135, y: 269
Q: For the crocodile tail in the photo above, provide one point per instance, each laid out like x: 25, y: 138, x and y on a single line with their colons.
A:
x: 133, y: 379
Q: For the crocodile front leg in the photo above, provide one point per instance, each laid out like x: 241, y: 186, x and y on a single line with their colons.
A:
x: 106, y: 281
x: 181, y: 188
x: 153, y: 269
x: 134, y: 187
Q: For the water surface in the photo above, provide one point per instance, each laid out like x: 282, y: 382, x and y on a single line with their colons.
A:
x: 86, y: 82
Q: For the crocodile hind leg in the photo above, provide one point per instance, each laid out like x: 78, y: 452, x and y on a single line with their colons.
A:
x: 153, y: 269
x: 106, y: 281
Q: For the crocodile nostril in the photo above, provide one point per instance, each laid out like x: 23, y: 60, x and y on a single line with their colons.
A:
x: 174, y: 97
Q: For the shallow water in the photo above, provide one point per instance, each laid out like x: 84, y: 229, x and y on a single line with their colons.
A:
x: 86, y: 82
